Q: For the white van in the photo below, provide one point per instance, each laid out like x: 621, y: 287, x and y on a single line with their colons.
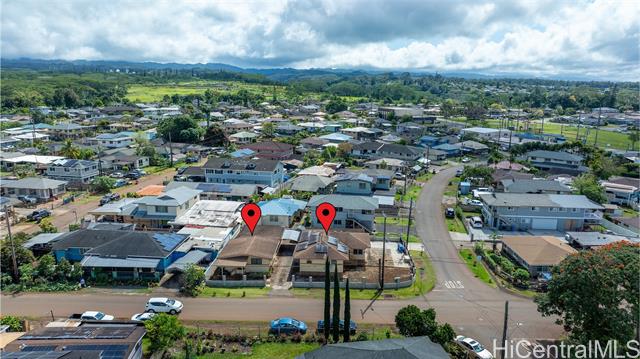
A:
x: 476, y: 222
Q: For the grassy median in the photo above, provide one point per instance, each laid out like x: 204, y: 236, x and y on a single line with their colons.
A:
x: 476, y: 267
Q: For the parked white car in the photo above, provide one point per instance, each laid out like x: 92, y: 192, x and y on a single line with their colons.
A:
x: 476, y: 222
x: 475, y: 347
x: 94, y: 315
x: 482, y: 190
x: 475, y: 202
x: 163, y: 305
x: 141, y: 317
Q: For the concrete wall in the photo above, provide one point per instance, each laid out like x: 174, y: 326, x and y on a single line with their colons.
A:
x: 395, y: 283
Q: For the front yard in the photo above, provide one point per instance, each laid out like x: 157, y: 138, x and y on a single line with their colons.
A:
x: 476, y: 266
x: 246, y: 292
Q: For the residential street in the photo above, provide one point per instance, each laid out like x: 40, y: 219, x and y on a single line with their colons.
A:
x: 63, y: 215
x: 473, y: 308
x: 480, y: 305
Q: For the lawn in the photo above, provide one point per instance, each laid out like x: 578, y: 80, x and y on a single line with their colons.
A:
x: 455, y: 225
x: 247, y: 292
x: 425, y: 281
x: 269, y: 350
x: 452, y: 187
x: 628, y: 212
x: 392, y: 220
x: 412, y: 193
x: 424, y: 177
x: 476, y: 267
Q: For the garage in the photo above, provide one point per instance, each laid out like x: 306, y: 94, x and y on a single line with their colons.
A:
x: 544, y: 223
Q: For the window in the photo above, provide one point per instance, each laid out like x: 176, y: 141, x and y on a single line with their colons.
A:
x: 162, y: 209
x: 357, y: 251
x: 337, y: 221
x: 534, y: 209
x: 256, y: 261
x: 309, y: 261
x: 362, y: 185
x: 273, y: 218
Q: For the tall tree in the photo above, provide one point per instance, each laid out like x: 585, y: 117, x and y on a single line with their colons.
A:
x: 346, y: 334
x: 268, y: 129
x: 327, y: 299
x: 587, y: 184
x: 336, y: 304
x: 596, y: 293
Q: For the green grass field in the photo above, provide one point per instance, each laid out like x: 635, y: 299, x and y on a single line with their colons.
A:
x: 606, y: 139
x: 235, y: 292
x: 412, y: 193
x: 476, y: 267
x: 455, y: 225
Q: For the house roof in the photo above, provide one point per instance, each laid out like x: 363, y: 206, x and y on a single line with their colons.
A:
x: 107, y: 262
x: 353, y: 239
x: 596, y: 239
x: 309, y: 183
x: 539, y: 250
x: 73, y: 163
x: 317, y: 170
x: 555, y: 155
x: 345, y: 201
x: 483, y: 130
x: 281, y: 207
x: 317, y: 245
x: 242, y: 164
x: 532, y: 186
x: 336, y: 137
x: 355, y: 177
x: 538, y: 200
x: 263, y: 244
x: 119, y: 243
x: 244, y: 134
x: 174, y: 197
x: 406, y: 348
x: 33, y: 183
x: 269, y: 146
x: 211, y: 213
x: 474, y: 145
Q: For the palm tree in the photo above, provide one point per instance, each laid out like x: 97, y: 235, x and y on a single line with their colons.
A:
x: 69, y: 150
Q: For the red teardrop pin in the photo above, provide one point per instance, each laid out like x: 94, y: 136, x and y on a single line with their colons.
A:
x: 251, y: 215
x: 326, y: 212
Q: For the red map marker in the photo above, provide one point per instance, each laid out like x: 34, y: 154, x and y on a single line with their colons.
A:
x: 326, y: 212
x: 251, y: 215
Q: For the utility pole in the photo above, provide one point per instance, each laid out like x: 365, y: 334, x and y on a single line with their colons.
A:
x: 409, y: 224
x: 578, y: 130
x: 504, y: 330
x: 13, y: 248
x: 170, y: 151
x: 384, y: 247
x: 99, y: 161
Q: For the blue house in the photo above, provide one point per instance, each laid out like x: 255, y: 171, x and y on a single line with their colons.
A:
x: 429, y: 141
x: 449, y: 149
x: 355, y: 183
x: 281, y: 212
x: 243, y: 171
x: 120, y: 254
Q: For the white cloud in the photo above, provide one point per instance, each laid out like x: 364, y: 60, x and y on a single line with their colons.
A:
x: 545, y: 38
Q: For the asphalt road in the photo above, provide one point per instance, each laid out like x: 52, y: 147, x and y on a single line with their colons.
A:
x: 470, y: 306
x: 480, y: 308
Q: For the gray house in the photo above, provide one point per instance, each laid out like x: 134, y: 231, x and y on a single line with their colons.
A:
x: 524, y: 211
x: 534, y: 186
x: 73, y: 171
x: 227, y: 170
x: 43, y: 189
x: 556, y: 162
x: 351, y: 211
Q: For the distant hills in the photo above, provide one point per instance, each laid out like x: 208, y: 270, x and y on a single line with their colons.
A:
x: 274, y: 74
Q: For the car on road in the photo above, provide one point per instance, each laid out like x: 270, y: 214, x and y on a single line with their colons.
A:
x: 38, y: 215
x: 449, y: 212
x: 466, y: 159
x: 117, y: 175
x: 399, y: 175
x: 133, y: 175
x: 459, y: 172
x: 474, y: 347
x: 95, y: 315
x: 352, y: 327
x: 120, y: 183
x: 179, y: 178
x: 109, y: 197
x: 287, y: 326
x: 192, y: 159
x: 163, y: 305
x: 28, y: 199
x: 141, y: 317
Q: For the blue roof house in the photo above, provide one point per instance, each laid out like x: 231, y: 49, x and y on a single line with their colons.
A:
x: 281, y: 212
x: 120, y: 254
x: 449, y: 149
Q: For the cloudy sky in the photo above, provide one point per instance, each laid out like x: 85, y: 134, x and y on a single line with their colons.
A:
x: 597, y: 39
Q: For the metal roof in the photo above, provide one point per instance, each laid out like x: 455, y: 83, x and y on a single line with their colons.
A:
x: 129, y: 262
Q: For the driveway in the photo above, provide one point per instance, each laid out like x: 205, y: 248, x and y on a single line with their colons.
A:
x: 480, y: 305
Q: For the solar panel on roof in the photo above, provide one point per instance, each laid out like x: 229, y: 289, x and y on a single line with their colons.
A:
x: 38, y: 348
x: 168, y: 241
x: 342, y: 248
x: 321, y: 248
x: 333, y: 240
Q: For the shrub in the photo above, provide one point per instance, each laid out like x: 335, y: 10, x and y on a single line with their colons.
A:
x: 14, y: 323
x: 362, y: 336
